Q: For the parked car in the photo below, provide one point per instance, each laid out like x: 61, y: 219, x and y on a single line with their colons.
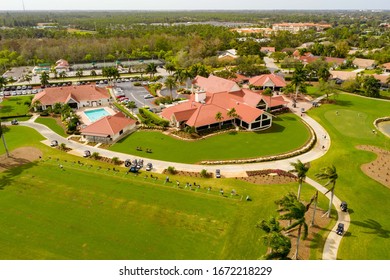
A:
x: 87, y: 153
x: 149, y: 167
x: 344, y: 206
x: 148, y: 96
x: 54, y: 143
x: 340, y: 229
x: 218, y: 173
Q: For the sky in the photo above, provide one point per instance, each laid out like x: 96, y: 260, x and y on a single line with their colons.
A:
x: 194, y: 5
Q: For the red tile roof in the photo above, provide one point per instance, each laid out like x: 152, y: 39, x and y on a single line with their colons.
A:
x: 215, y: 84
x: 239, y: 78
x: 198, y: 114
x: 262, y: 80
x: 108, y: 126
x: 386, y: 65
x: 51, y: 96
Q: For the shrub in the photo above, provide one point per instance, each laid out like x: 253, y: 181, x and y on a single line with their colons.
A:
x: 137, y: 84
x: 204, y: 173
x: 171, y: 170
x: 95, y: 155
x: 150, y: 117
x: 115, y: 160
x: 44, y: 113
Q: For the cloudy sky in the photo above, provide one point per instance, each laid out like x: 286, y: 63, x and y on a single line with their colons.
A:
x: 191, y: 5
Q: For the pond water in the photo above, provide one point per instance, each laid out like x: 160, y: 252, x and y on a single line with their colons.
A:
x: 385, y: 127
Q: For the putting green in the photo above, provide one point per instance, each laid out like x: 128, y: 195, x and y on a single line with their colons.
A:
x: 351, y: 123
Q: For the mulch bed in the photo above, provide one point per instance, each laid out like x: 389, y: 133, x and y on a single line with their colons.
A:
x: 379, y: 169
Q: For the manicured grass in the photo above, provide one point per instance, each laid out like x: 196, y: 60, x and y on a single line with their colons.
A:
x: 52, y: 124
x: 368, y: 235
x: 313, y: 91
x: 19, y: 136
x: 286, y: 134
x: 14, y: 106
x: 80, y: 212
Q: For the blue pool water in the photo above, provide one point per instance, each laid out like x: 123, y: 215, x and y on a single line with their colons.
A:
x: 94, y: 115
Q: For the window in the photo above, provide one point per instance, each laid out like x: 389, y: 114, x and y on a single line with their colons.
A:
x: 121, y: 132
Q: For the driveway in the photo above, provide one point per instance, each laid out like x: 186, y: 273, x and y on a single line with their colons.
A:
x: 136, y: 94
x: 270, y: 64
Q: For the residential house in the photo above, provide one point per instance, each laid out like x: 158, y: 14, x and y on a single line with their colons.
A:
x: 362, y: 63
x: 76, y: 96
x: 386, y: 67
x: 109, y: 129
x: 228, y: 54
x: 62, y: 66
x: 214, y: 95
x: 267, y: 50
x: 273, y: 81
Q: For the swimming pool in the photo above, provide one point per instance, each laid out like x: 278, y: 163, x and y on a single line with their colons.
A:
x: 94, y: 115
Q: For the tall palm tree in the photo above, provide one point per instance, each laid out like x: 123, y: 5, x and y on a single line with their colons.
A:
x: 79, y: 73
x: 315, y: 199
x: 170, y: 68
x: 44, y: 78
x: 151, y: 69
x: 279, y: 245
x: 329, y: 173
x: 219, y: 118
x: 62, y: 75
x: 296, y: 211
x: 300, y: 169
x: 2, y: 137
x: 298, y: 78
x: 170, y: 84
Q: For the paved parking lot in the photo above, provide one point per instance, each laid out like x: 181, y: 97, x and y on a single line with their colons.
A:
x: 136, y: 94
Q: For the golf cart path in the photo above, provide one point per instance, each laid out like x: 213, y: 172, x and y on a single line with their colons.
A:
x: 230, y: 170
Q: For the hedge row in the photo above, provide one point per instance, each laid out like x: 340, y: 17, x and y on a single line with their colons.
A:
x: 152, y: 118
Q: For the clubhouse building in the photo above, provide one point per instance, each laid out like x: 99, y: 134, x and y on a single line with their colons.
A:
x: 216, y: 101
x: 76, y: 96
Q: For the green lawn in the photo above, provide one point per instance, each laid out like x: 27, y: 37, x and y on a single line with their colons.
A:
x: 19, y: 136
x: 287, y: 133
x: 368, y: 236
x: 14, y: 106
x: 52, y: 124
x: 80, y: 212
x: 87, y: 212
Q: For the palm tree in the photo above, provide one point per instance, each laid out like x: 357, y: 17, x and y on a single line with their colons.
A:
x: 27, y: 78
x: 298, y: 78
x: 329, y: 173
x: 279, y: 245
x: 62, y: 147
x: 3, y: 81
x: 315, y: 199
x: 326, y: 87
x: 219, y: 118
x: 79, y: 73
x: 296, y: 211
x: 232, y: 113
x: 131, y: 105
x: 62, y: 75
x: 170, y: 67
x: 44, y: 78
x: 151, y: 69
x: 2, y: 137
x: 300, y: 169
x: 170, y: 83
x: 93, y: 73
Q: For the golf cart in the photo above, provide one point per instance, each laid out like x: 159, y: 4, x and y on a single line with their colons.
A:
x: 149, y: 167
x: 14, y: 122
x: 344, y: 206
x: 218, y: 173
x: 54, y: 143
x: 340, y: 229
x: 87, y: 153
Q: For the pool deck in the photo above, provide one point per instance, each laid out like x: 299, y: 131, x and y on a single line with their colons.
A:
x: 83, y: 117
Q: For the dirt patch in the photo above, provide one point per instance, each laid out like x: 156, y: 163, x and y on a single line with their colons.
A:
x: 379, y: 169
x: 19, y: 157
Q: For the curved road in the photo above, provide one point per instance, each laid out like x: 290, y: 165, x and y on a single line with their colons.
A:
x: 229, y: 170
